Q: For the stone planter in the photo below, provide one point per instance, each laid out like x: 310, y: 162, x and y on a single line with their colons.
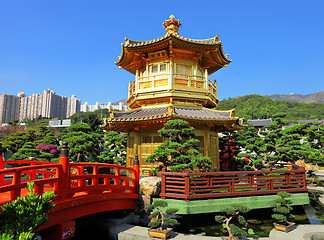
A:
x: 164, y: 234
x: 285, y: 228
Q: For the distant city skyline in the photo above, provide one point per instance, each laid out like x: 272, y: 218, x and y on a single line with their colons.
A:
x: 47, y: 105
x: 71, y: 46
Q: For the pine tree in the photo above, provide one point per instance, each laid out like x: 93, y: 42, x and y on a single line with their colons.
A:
x: 116, y: 147
x: 83, y: 143
x: 27, y: 151
x: 181, y: 150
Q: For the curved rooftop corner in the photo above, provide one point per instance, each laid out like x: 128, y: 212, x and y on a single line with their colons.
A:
x: 210, y: 50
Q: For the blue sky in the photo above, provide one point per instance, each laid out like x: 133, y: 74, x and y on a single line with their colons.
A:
x: 70, y: 46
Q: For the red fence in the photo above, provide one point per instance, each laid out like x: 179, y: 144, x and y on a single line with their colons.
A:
x: 193, y: 186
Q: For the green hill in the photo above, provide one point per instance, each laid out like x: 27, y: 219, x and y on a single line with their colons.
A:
x: 259, y: 107
x: 308, y: 98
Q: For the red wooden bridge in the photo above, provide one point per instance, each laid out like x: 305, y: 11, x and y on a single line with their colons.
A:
x: 81, y: 188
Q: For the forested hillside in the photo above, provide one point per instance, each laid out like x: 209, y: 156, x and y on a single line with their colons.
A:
x: 308, y: 98
x: 259, y: 107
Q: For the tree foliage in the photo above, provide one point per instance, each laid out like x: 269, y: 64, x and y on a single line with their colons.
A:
x: 16, y: 140
x: 181, y: 150
x: 162, y: 219
x: 233, y: 213
x: 83, y: 143
x: 94, y: 122
x: 21, y: 217
x: 259, y: 107
x: 116, y: 147
x: 274, y: 144
x: 27, y: 151
x: 282, y: 208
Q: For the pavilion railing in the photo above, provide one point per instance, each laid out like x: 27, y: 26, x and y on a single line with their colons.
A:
x: 208, y: 185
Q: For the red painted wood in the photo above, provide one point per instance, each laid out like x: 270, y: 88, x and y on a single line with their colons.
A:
x: 190, y: 186
x: 79, y: 192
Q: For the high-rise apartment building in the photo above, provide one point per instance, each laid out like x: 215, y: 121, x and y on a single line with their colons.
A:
x: 9, y: 108
x: 47, y: 105
x: 120, y: 106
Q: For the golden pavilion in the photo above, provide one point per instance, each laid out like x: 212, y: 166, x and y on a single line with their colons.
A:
x: 171, y: 82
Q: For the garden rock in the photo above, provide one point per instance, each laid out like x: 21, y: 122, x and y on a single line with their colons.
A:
x: 150, y: 186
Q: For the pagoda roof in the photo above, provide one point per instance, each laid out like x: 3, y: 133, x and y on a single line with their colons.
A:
x: 209, y: 41
x: 174, y: 112
x: 209, y: 51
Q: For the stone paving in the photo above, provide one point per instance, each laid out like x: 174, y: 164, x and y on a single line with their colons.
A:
x: 301, y: 232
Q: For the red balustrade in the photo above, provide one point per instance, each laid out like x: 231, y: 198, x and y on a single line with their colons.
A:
x: 191, y: 186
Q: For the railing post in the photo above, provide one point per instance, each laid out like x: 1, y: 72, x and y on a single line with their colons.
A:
x: 163, y: 183
x: 187, y: 184
x: 16, y: 180
x: 65, y: 178
x: 1, y: 163
x: 136, y: 167
x: 304, y: 177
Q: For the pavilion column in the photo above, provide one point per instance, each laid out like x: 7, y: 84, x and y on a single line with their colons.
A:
x: 172, y: 71
x: 206, y: 79
x: 136, y: 81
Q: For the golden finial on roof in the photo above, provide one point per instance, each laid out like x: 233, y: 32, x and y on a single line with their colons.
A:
x: 172, y: 25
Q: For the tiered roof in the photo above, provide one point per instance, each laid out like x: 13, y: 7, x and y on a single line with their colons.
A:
x: 208, y: 51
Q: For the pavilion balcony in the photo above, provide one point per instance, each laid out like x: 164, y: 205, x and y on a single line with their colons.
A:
x: 187, y: 84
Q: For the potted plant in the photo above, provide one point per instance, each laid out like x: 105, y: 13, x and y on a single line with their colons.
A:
x: 234, y: 212
x: 282, y: 213
x: 160, y: 220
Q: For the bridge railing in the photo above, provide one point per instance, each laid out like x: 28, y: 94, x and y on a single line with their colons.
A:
x: 42, y: 175
x: 208, y: 185
x: 100, y: 177
x: 64, y: 178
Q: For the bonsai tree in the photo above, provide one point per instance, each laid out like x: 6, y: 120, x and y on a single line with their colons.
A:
x: 282, y: 209
x: 181, y: 150
x: 21, y: 217
x: 233, y: 213
x: 162, y: 218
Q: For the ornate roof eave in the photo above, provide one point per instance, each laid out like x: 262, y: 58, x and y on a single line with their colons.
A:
x: 133, y: 50
x: 221, y: 123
